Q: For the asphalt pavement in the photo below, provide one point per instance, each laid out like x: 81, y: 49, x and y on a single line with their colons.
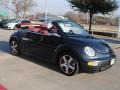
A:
x: 27, y: 73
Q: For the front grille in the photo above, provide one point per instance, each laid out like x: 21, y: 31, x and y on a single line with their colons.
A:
x: 105, y: 67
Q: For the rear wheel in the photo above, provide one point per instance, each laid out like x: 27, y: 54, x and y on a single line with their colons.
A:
x: 14, y: 47
x: 68, y: 64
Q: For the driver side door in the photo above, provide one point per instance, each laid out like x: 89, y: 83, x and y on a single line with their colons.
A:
x: 49, y: 43
x: 32, y: 41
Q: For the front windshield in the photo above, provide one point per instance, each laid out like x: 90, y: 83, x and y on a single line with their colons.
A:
x: 72, y: 29
x: 17, y: 21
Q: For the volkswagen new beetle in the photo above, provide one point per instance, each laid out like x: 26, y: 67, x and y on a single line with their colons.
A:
x: 66, y: 44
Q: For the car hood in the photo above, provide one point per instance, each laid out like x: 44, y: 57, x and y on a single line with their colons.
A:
x: 97, y: 44
x: 11, y: 23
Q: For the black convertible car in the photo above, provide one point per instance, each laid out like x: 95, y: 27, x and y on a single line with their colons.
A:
x: 65, y: 44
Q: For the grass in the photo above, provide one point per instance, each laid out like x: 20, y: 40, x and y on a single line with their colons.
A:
x: 102, y: 28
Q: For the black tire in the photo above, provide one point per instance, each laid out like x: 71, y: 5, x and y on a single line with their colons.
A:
x: 14, y: 48
x: 69, y: 68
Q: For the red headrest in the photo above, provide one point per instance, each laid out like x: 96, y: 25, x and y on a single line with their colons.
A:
x: 44, y: 27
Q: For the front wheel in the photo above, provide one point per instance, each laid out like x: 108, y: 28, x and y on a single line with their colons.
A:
x: 14, y: 47
x: 68, y: 64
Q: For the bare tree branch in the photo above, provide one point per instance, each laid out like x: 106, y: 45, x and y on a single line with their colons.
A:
x: 26, y: 6
x: 19, y: 6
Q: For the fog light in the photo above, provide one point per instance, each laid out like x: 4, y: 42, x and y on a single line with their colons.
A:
x: 93, y: 63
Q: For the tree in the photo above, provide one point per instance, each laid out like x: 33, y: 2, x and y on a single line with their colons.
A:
x: 70, y: 15
x: 26, y: 5
x: 18, y: 6
x: 94, y: 7
x: 78, y: 17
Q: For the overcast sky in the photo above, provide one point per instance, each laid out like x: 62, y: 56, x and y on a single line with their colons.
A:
x: 54, y: 6
x: 58, y: 7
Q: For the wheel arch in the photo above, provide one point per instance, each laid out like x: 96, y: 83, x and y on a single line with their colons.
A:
x: 18, y: 41
x: 13, y: 38
x: 61, y: 50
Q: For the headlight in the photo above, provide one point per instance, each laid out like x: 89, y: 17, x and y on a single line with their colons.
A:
x: 89, y: 51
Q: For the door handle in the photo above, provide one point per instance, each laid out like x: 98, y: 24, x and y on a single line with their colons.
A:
x: 31, y: 36
x: 41, y: 38
x: 26, y: 39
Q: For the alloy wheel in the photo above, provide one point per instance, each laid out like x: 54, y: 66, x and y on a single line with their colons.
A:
x: 67, y: 64
x: 14, y: 47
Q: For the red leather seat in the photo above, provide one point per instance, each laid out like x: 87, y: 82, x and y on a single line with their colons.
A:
x: 44, y: 32
x: 35, y: 29
x: 39, y: 29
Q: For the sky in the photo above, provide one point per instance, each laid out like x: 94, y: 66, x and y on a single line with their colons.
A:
x: 54, y: 6
x: 57, y: 7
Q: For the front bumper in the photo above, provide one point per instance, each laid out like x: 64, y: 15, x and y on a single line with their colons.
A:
x: 100, y: 66
x: 10, y: 28
x: 7, y: 27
